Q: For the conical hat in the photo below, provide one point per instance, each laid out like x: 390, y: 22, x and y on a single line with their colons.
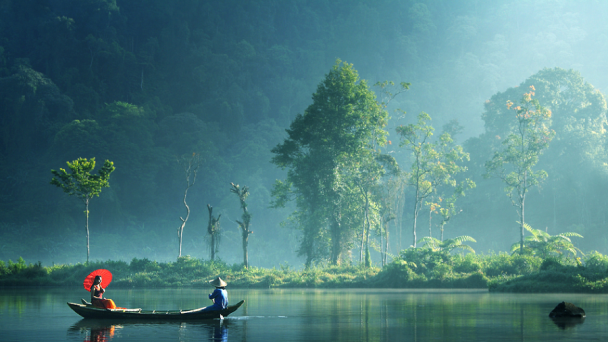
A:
x: 218, y: 282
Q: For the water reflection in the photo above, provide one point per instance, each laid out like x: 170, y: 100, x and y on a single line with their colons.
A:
x: 312, y: 315
x: 567, y: 323
x: 105, y: 330
x: 220, y: 331
x: 95, y: 331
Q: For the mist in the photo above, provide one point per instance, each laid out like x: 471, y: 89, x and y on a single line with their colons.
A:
x: 144, y: 83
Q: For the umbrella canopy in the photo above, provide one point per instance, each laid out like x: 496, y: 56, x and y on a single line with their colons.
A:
x: 106, y: 278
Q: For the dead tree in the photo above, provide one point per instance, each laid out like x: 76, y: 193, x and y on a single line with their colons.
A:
x: 213, y: 229
x: 246, y: 218
x: 190, y: 166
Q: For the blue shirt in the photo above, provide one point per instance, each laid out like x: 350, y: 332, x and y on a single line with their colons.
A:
x: 220, y: 297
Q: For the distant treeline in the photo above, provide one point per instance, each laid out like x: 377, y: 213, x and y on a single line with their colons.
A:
x: 144, y: 83
x: 414, y: 268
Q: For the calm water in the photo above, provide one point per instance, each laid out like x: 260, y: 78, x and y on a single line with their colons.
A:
x: 308, y: 315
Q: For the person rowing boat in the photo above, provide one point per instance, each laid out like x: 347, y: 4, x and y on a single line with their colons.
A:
x: 219, y: 296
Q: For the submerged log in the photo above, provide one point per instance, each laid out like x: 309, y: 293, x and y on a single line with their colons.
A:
x: 567, y: 310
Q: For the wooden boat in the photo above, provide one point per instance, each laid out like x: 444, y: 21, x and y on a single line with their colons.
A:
x: 87, y: 310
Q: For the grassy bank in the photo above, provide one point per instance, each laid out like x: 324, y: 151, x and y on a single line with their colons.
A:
x: 414, y: 268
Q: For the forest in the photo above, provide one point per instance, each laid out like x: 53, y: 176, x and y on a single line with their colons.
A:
x: 311, y: 132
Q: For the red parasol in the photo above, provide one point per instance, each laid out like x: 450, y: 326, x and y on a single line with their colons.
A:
x: 106, y: 278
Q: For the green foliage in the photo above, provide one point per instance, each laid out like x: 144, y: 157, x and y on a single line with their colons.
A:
x: 82, y: 184
x: 467, y: 263
x: 138, y: 84
x: 514, y: 163
x: 415, y: 268
x: 22, y: 273
x: 143, y: 265
x: 503, y: 264
x: 434, y: 163
x: 331, y: 160
x: 545, y: 245
x: 425, y: 259
x: 596, y: 262
x: 448, y: 245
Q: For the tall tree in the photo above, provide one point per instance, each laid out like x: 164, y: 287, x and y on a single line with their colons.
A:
x: 434, y: 163
x: 323, y: 152
x: 243, y: 193
x: 82, y: 184
x: 213, y: 229
x: 448, y: 197
x: 448, y: 209
x: 190, y: 164
x: 514, y: 163
x: 387, y: 194
x: 371, y: 167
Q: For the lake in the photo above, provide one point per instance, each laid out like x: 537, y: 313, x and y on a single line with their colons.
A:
x: 309, y: 315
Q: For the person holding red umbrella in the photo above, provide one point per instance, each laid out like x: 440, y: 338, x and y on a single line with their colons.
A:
x: 97, y: 295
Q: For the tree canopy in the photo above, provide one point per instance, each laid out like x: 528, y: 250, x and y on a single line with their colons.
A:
x: 140, y: 83
x: 329, y: 149
x: 79, y: 182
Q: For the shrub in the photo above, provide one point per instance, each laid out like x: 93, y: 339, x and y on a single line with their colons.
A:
x: 476, y: 280
x: 3, y: 269
x: 396, y: 274
x: 596, y: 262
x: 425, y: 259
x: 551, y: 263
x: 467, y: 264
x: 441, y: 272
x: 504, y: 264
x: 143, y: 265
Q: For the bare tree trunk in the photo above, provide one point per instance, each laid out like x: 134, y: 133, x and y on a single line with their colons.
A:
x: 245, y: 251
x: 522, y: 212
x: 431, y: 221
x: 244, y: 225
x: 387, y: 245
x: 522, y: 203
x: 190, y: 167
x: 335, y: 243
x: 414, y: 224
x: 180, y: 230
x: 368, y: 258
x: 362, y: 243
x: 86, y: 205
x: 212, y: 247
x: 365, y: 232
x: 210, y: 231
x: 213, y: 229
x: 382, y: 243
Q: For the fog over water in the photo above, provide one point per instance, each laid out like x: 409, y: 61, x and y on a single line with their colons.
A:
x: 143, y: 85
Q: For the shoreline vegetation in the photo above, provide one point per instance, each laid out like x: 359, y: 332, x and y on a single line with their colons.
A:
x: 413, y: 268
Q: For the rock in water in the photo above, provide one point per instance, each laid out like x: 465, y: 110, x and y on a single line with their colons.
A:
x: 567, y: 310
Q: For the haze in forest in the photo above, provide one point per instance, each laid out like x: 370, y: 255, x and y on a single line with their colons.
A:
x: 143, y: 84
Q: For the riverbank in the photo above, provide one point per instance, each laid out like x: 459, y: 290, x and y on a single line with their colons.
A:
x: 414, y: 268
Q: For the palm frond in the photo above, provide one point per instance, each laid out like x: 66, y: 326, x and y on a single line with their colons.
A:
x: 543, y: 244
